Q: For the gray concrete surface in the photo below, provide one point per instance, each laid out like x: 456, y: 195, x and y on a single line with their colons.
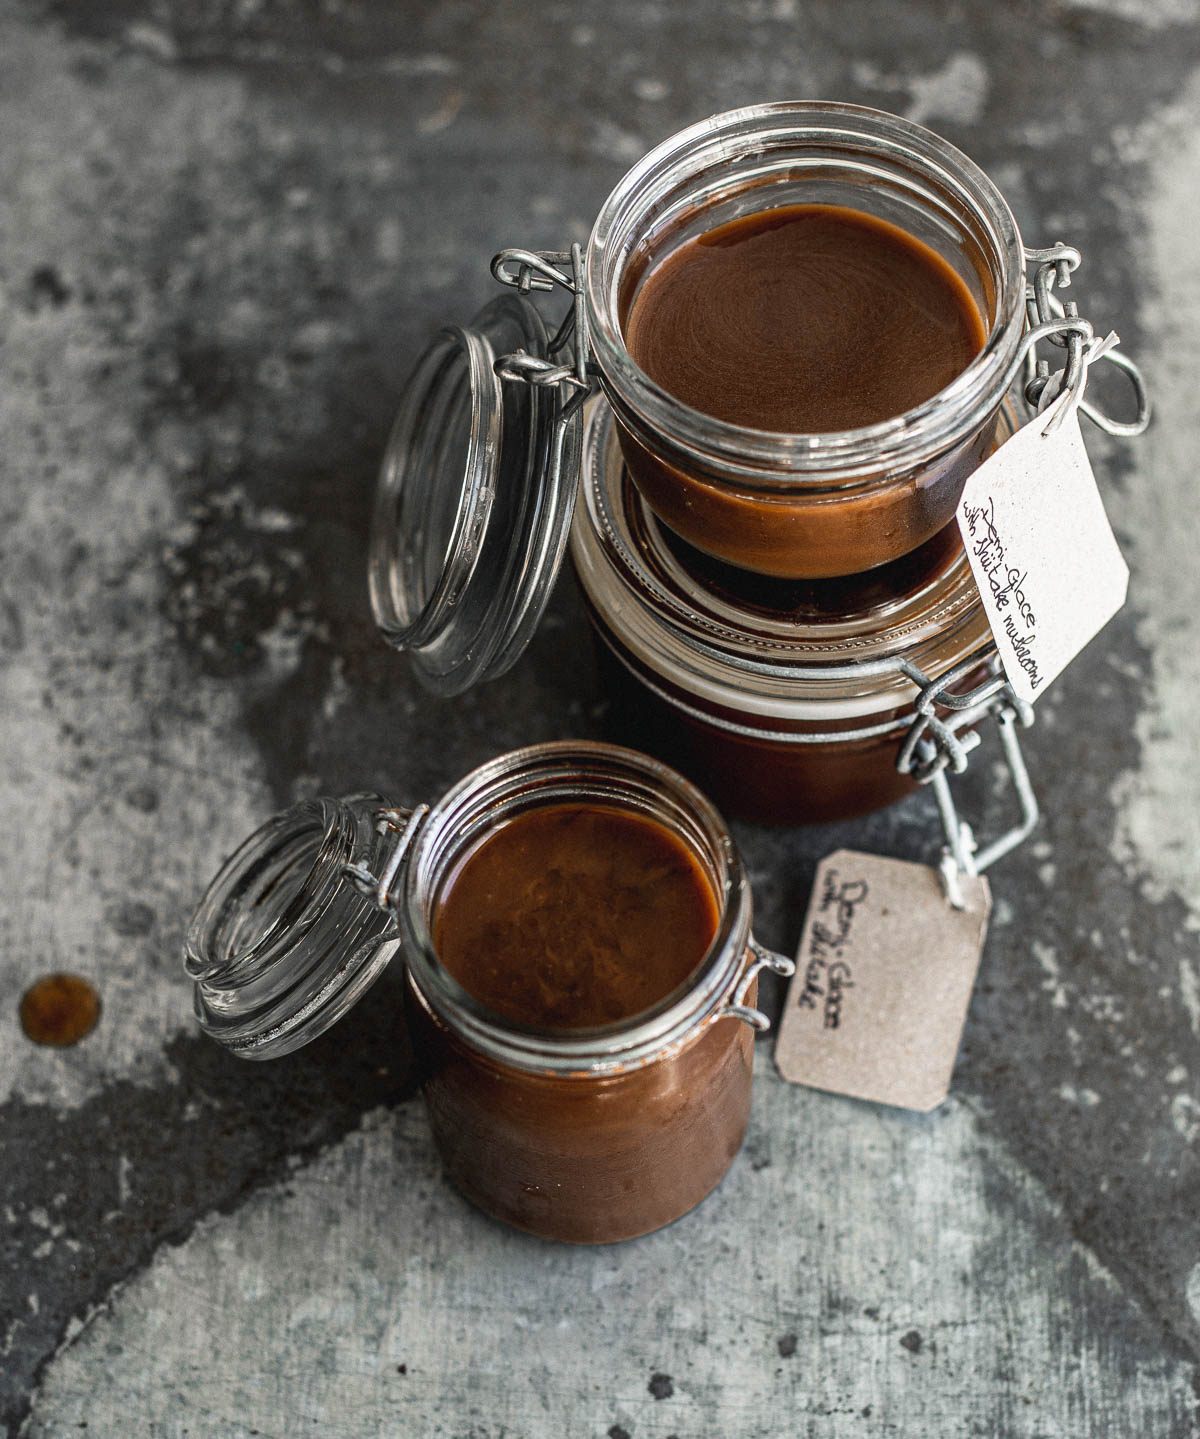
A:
x: 225, y: 232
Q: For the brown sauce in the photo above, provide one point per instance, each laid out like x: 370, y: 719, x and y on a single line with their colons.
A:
x: 60, y: 1009
x: 803, y: 320
x: 842, y: 597
x: 574, y: 915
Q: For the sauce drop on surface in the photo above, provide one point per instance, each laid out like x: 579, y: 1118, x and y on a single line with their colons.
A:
x: 60, y: 1009
x: 574, y: 915
x: 804, y: 320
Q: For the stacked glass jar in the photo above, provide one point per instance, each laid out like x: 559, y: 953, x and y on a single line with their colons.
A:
x: 789, y: 615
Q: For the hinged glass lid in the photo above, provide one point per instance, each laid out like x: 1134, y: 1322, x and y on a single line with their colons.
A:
x: 295, y: 926
x: 474, y: 502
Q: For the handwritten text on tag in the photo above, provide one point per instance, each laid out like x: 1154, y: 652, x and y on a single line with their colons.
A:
x: 884, y: 974
x: 1041, y: 550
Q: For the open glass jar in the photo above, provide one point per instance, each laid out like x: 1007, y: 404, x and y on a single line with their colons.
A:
x: 585, y: 1135
x: 819, y: 504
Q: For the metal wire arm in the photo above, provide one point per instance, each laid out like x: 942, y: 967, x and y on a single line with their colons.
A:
x: 934, y: 746
x: 527, y: 270
x: 404, y: 824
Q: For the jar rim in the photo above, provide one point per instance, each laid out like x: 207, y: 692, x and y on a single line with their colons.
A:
x: 547, y: 773
x: 771, y: 459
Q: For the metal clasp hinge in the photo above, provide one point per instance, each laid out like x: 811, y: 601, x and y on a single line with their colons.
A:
x: 934, y: 746
x: 763, y: 959
x: 403, y: 823
x: 527, y: 270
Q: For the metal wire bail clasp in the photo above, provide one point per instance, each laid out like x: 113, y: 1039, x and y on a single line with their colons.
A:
x: 933, y: 746
x: 527, y: 270
x: 1060, y: 323
x: 763, y: 959
x: 401, y: 822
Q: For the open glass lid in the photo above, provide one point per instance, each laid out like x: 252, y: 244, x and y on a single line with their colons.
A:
x: 474, y: 502
x: 291, y: 930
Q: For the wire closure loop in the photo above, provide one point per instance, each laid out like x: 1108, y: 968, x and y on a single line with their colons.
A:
x: 526, y: 270
x: 934, y: 746
x: 382, y: 888
x: 1059, y: 322
x: 762, y: 959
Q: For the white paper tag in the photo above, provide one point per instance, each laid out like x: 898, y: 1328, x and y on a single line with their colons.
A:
x: 884, y: 974
x: 1042, y: 551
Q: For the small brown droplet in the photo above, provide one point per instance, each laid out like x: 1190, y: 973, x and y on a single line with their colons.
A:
x: 59, y: 1009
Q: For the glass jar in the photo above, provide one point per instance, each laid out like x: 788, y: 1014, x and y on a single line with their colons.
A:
x: 584, y: 1135
x: 789, y: 701
x: 806, y: 505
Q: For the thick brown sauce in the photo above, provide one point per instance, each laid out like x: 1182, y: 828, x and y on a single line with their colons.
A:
x: 60, y: 1009
x: 575, y: 915
x: 804, y: 320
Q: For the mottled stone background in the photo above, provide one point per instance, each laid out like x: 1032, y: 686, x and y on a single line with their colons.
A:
x: 226, y: 228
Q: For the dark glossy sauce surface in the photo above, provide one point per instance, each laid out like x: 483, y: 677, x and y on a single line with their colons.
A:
x: 804, y: 320
x: 575, y: 915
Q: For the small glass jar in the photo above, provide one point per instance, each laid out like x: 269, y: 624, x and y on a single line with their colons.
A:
x: 806, y: 505
x: 583, y: 1135
x: 784, y: 714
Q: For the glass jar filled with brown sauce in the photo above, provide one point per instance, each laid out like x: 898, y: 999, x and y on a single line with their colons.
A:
x: 574, y: 922
x: 806, y: 317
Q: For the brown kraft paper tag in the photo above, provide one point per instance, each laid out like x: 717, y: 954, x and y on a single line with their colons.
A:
x: 884, y: 975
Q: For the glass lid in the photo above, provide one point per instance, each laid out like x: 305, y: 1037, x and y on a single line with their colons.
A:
x: 288, y: 934
x: 474, y: 502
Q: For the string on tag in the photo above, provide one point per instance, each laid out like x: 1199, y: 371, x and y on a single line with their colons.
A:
x: 1088, y: 352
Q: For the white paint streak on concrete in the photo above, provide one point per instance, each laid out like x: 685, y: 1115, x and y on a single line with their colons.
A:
x: 958, y: 92
x: 1152, y: 14
x: 445, y: 114
x: 1189, y: 992
x: 1193, y: 1292
x: 1185, y: 1117
x: 1053, y: 984
x: 614, y: 142
x: 110, y: 740
x: 499, y: 1333
x: 651, y: 89
x: 1159, y: 805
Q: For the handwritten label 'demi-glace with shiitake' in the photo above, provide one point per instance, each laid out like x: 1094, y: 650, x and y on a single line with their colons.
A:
x: 826, y: 975
x: 1042, y: 551
x: 883, y: 977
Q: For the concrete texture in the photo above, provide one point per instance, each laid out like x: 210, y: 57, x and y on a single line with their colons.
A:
x: 227, y: 231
